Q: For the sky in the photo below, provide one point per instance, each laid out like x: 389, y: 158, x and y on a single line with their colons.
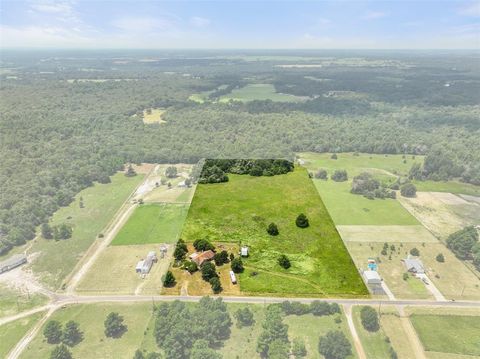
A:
x: 394, y: 24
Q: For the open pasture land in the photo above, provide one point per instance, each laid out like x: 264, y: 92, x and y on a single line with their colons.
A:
x: 12, y: 332
x: 448, y: 186
x: 452, y: 278
x: 15, y: 300
x: 56, y: 259
x: 449, y: 333
x: 240, y: 210
x: 95, y: 344
x: 353, y: 209
x: 442, y: 213
x: 152, y: 223
x: 114, y: 271
x: 259, y: 92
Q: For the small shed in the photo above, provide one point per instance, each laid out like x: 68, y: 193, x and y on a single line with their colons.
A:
x: 233, y: 278
x: 372, y: 277
x: 244, y: 251
x: 13, y: 262
x: 414, y: 265
x: 182, y: 184
x: 163, y: 250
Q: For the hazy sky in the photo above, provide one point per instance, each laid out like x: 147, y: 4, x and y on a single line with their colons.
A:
x: 240, y: 24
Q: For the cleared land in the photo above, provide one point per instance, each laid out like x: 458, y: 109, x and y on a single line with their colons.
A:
x: 95, y: 344
x: 366, y: 234
x: 374, y: 343
x: 13, y: 301
x: 11, y: 333
x: 154, y: 115
x: 442, y: 218
x: 56, y: 259
x: 241, y: 209
x: 455, y: 334
x: 152, y: 223
x: 391, y: 324
x: 353, y: 209
x: 114, y: 271
x: 259, y: 92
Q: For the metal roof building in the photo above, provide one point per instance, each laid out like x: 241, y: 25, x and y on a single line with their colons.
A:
x: 414, y: 265
x: 13, y: 262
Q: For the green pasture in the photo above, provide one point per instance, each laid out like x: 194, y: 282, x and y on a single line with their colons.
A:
x: 259, y: 92
x: 11, y: 333
x: 239, y: 211
x: 153, y: 223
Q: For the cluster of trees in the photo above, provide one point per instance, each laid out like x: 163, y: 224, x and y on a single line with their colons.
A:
x: 465, y: 245
x: 369, y: 318
x: 408, y: 190
x: 192, y: 331
x: 215, y: 170
x: 366, y: 185
x: 340, y: 176
x: 62, y: 231
x: 317, y: 308
x: 67, y: 336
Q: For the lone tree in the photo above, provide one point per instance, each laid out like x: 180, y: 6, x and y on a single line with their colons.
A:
x: 208, y: 271
x: 369, y: 318
x: 180, y: 250
x: 61, y: 352
x: 171, y: 172
x: 334, y: 345
x: 440, y: 258
x: 169, y: 279
x: 53, y: 332
x: 408, y: 190
x: 216, y: 285
x: 244, y: 317
x: 284, y: 261
x: 340, y: 176
x: 321, y: 174
x: 302, y: 221
x: 203, y: 245
x: 47, y: 231
x: 220, y: 258
x: 72, y: 334
x: 130, y: 171
x: 272, y: 229
x: 237, y: 265
x: 114, y: 327
x: 415, y: 252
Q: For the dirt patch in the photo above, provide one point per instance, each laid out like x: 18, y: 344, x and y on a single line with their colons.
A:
x: 143, y: 168
x: 448, y: 198
x: 384, y: 234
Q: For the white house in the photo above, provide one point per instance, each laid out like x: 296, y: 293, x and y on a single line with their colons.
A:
x: 414, y: 265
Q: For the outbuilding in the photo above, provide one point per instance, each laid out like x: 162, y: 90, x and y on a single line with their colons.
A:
x: 13, y: 262
x: 244, y: 251
x: 414, y: 265
x: 233, y: 278
x: 372, y: 277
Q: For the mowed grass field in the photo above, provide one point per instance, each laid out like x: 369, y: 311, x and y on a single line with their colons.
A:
x: 240, y: 210
x: 352, y: 209
x: 11, y: 333
x: 56, y: 259
x: 13, y: 301
x: 152, y: 223
x: 95, y: 344
x: 260, y: 92
x: 456, y: 334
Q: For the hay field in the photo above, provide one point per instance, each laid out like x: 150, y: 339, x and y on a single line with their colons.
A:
x: 259, y: 92
x: 405, y: 234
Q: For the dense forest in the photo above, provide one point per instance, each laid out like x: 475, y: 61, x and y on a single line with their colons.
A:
x: 68, y: 119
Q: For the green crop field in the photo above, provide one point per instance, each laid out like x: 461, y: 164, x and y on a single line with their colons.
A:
x: 241, y: 209
x: 12, y: 332
x: 448, y: 333
x: 57, y: 259
x: 95, y: 344
x: 259, y: 92
x: 153, y: 223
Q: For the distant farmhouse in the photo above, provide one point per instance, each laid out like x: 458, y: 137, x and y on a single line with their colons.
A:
x: 13, y: 262
x: 200, y: 258
x: 414, y: 265
x: 145, y: 265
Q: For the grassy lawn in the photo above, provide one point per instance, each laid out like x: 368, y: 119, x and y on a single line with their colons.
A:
x: 311, y: 328
x: 152, y: 223
x: 95, y: 344
x: 57, y: 259
x: 392, y: 326
x: 114, y: 271
x: 241, y: 209
x: 448, y: 186
x: 374, y: 343
x: 261, y: 92
x: 448, y: 333
x: 11, y: 333
x: 13, y: 301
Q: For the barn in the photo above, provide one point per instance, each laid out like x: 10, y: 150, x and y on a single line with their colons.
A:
x: 13, y: 262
